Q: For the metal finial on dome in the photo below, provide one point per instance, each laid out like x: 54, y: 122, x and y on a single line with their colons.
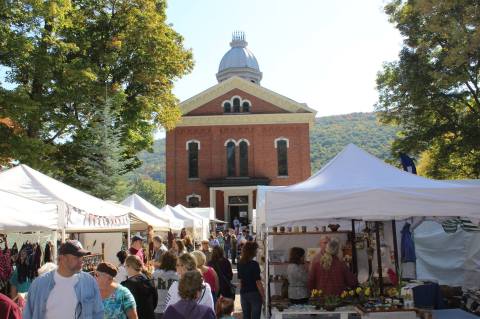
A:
x: 238, y: 39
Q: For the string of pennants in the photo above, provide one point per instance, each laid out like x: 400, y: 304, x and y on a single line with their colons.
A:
x: 97, y: 220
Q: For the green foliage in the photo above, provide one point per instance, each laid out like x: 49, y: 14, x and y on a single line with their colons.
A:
x: 151, y: 190
x: 65, y: 56
x: 432, y: 92
x: 332, y: 133
x: 97, y: 158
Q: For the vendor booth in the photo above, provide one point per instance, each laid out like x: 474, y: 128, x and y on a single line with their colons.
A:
x: 355, y: 188
x: 77, y: 212
x: 24, y: 220
x: 142, y: 215
x: 201, y: 223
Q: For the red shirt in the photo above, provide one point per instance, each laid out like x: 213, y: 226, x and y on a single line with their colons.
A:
x: 8, y: 309
x: 209, y: 277
x: 138, y: 253
x: 332, y: 281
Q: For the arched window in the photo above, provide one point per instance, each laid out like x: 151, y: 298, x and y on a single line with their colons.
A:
x: 227, y: 107
x: 231, y: 159
x: 236, y: 105
x: 193, y: 146
x: 246, y: 107
x: 243, y: 149
x: 193, y: 200
x: 281, y: 144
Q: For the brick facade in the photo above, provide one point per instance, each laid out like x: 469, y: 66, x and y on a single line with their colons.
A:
x: 214, y: 107
x: 262, y: 156
x: 277, y: 117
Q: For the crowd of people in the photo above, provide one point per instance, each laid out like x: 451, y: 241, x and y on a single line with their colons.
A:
x: 179, y: 282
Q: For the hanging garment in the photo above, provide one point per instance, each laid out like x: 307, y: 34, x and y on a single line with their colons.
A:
x: 407, y: 245
x: 450, y: 225
x: 6, y: 267
x: 37, y: 259
x: 48, y: 253
x: 14, y: 250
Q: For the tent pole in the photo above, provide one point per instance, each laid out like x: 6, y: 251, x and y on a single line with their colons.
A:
x: 128, y: 237
x: 379, y: 256
x: 370, y: 271
x: 267, y: 271
x: 64, y: 235
x: 55, y: 247
x: 354, y: 249
x: 395, y: 247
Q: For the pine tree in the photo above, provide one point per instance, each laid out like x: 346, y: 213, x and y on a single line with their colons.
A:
x: 101, y: 161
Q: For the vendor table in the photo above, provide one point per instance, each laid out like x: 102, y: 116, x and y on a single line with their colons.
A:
x: 452, y: 313
x: 391, y: 315
x: 348, y: 312
x: 299, y: 313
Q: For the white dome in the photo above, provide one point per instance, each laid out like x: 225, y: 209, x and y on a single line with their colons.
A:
x: 238, y: 57
x: 239, y: 61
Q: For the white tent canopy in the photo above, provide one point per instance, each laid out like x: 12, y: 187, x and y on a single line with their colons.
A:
x: 139, y: 220
x: 175, y: 222
x: 188, y: 220
x: 358, y: 185
x: 78, y: 211
x: 20, y: 214
x: 158, y: 218
x: 200, y: 221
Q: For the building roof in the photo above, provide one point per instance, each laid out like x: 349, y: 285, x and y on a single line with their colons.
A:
x: 236, y: 82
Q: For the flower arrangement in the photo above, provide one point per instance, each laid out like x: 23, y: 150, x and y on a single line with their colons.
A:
x: 392, y: 292
x: 357, y: 295
x: 316, y: 298
x: 316, y: 293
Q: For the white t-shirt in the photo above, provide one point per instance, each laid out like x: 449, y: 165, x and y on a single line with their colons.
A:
x: 206, y: 297
x: 163, y: 281
x: 62, y: 301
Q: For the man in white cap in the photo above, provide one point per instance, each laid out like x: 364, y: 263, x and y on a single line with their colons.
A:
x: 66, y: 292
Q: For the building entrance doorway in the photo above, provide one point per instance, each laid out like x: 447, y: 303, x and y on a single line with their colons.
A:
x: 238, y: 208
x: 239, y: 212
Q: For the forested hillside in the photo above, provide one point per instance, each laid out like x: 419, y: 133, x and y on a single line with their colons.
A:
x: 332, y: 133
x: 153, y: 163
x: 329, y: 136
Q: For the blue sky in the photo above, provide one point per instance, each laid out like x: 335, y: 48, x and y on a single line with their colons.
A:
x: 323, y: 53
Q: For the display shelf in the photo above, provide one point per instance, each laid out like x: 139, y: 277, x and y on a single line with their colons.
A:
x: 310, y: 233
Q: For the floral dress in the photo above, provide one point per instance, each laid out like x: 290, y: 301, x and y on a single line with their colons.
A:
x: 118, y: 303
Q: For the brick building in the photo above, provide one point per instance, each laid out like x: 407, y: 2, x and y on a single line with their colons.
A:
x: 235, y: 136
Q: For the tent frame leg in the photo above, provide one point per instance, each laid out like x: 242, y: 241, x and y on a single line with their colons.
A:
x: 395, y: 248
x: 354, y: 250
x: 379, y: 256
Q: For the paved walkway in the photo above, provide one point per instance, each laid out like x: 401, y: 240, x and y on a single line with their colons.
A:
x: 238, y: 308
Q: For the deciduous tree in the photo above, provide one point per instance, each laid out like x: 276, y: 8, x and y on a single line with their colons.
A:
x: 432, y: 91
x: 63, y: 56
